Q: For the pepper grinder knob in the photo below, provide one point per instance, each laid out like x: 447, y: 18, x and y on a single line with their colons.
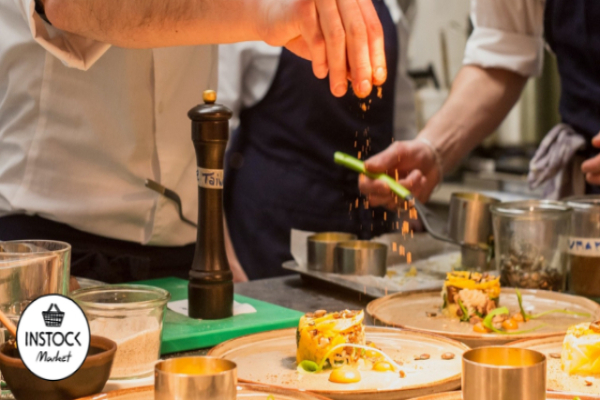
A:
x: 210, y: 290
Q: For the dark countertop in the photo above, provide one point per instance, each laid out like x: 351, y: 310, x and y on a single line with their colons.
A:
x: 295, y: 293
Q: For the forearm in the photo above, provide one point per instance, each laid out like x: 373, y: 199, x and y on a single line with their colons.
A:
x: 156, y: 23
x: 480, y: 99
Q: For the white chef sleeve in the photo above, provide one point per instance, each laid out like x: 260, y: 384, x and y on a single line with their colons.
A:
x: 246, y: 72
x: 508, y: 34
x: 73, y: 50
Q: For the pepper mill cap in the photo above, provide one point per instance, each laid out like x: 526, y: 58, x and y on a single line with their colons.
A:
x: 209, y: 111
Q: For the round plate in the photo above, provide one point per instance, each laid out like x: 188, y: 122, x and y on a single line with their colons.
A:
x: 409, y: 310
x: 458, y: 396
x: 270, y: 358
x: 558, y: 380
x: 245, y: 392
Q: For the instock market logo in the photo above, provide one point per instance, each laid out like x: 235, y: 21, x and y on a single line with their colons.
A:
x: 53, y: 337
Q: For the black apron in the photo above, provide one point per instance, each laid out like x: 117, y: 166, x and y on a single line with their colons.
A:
x: 572, y: 29
x: 280, y: 172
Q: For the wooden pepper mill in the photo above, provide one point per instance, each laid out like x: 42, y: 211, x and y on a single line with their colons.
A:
x: 210, y: 291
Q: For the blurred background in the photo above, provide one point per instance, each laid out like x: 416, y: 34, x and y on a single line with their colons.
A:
x: 439, y: 31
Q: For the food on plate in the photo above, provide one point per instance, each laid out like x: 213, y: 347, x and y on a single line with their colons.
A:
x: 320, y: 332
x: 344, y: 375
x: 470, y: 295
x: 337, y: 341
x: 581, y: 350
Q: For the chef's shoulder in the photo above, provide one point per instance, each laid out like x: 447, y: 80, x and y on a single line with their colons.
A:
x: 507, y: 34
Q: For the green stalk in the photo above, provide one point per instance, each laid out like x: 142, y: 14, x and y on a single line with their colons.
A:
x: 557, y: 311
x: 356, y: 165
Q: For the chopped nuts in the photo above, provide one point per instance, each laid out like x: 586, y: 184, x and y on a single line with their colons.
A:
x: 320, y: 313
x: 309, y: 315
x: 448, y: 356
x: 554, y: 355
x: 402, y: 374
x: 423, y: 356
x: 595, y: 326
x: 431, y: 314
x: 588, y: 382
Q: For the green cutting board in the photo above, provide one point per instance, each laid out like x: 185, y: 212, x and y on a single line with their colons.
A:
x: 181, y: 333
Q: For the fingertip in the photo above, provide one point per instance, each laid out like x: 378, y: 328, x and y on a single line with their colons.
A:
x: 340, y: 89
x: 363, y: 88
x: 380, y: 76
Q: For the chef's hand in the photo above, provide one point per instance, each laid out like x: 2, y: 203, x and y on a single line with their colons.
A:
x: 414, y: 164
x: 591, y: 167
x: 342, y: 37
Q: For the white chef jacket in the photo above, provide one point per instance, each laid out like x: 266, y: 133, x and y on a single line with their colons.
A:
x: 83, y: 124
x: 248, y: 69
x: 508, y: 34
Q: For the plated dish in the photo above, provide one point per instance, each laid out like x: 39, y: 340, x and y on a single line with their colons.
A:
x: 573, y: 360
x: 474, y: 309
x: 334, y: 355
x: 245, y: 391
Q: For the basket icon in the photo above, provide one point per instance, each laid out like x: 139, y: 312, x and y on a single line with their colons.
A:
x: 53, y: 318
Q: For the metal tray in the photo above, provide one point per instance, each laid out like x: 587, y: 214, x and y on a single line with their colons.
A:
x: 431, y: 260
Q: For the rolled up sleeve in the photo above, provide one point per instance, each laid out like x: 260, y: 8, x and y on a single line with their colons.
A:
x: 73, y: 50
x: 508, y: 34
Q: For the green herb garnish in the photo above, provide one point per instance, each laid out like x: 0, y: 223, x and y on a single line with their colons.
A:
x: 465, y: 317
x: 487, y: 322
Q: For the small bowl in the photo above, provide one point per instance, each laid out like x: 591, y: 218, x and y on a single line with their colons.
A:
x: 88, y: 380
x: 321, y: 250
x: 361, y: 257
x: 503, y: 373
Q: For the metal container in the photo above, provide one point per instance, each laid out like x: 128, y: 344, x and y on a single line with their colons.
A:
x: 195, y: 378
x: 531, y: 239
x: 503, y: 373
x: 470, y: 226
x: 584, y: 245
x: 361, y: 257
x: 321, y: 250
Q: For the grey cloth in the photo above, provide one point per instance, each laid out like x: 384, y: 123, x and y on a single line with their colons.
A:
x: 556, y: 165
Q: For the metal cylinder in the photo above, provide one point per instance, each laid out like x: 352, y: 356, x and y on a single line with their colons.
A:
x: 503, y: 373
x: 195, y: 378
x: 361, y: 257
x: 470, y: 220
x: 210, y: 291
x: 321, y: 250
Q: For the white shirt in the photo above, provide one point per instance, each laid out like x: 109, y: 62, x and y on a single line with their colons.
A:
x: 508, y: 34
x: 248, y: 69
x: 83, y: 124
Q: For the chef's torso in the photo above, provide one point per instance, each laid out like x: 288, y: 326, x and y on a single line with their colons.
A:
x: 76, y: 146
x: 572, y: 29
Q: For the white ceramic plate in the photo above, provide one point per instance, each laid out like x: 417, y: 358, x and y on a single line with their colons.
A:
x: 558, y: 380
x: 270, y: 358
x: 409, y: 311
x: 245, y: 392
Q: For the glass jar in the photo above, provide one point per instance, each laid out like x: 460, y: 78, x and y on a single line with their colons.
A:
x: 530, y: 242
x: 584, y: 245
x: 132, y: 316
